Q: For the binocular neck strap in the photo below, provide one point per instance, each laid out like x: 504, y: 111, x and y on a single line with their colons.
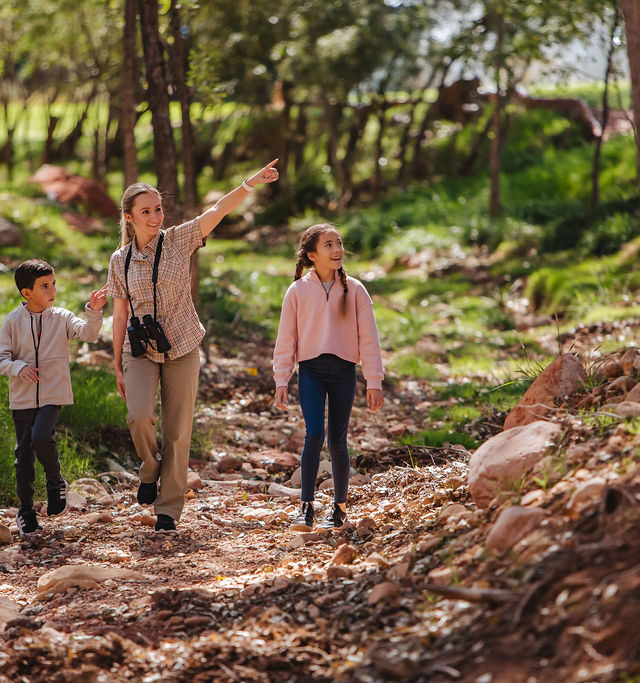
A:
x: 154, y: 276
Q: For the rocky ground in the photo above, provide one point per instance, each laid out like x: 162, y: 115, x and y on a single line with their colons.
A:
x: 433, y: 578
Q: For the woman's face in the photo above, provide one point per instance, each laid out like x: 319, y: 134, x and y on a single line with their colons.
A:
x: 146, y: 213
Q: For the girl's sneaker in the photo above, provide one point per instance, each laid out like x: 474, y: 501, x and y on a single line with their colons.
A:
x: 304, y: 521
x: 27, y: 522
x: 335, y: 519
x: 57, y: 497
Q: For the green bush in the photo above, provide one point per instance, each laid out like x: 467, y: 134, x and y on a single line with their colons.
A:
x: 96, y: 404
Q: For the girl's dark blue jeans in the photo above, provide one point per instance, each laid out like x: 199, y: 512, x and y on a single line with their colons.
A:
x: 319, y: 378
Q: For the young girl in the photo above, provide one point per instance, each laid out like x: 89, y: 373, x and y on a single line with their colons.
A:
x: 327, y: 325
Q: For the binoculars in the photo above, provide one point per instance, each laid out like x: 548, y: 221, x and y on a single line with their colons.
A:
x: 145, y: 333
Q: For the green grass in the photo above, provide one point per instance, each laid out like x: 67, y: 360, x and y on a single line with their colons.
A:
x: 570, y: 262
x: 438, y: 438
x: 97, y: 405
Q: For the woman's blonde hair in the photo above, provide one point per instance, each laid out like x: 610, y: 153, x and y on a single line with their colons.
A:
x: 127, y: 232
x: 309, y: 242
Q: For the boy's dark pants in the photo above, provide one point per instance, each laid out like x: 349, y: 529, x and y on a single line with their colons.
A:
x: 35, y: 428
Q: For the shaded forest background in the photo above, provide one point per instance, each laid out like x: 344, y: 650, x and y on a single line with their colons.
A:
x: 487, y: 190
x: 353, y: 97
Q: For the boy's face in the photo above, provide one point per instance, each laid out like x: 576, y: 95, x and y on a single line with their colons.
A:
x: 42, y: 295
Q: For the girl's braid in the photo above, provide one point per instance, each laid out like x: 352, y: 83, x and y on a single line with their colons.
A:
x: 343, y: 278
x: 308, y: 243
x: 300, y: 266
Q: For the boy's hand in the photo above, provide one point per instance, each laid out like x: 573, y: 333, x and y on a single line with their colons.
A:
x: 28, y: 374
x: 375, y: 400
x: 268, y: 174
x: 281, y: 398
x: 98, y: 299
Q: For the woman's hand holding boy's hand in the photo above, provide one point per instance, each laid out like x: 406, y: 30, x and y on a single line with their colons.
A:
x: 375, y: 400
x: 28, y: 374
x: 98, y: 299
x: 281, y: 398
x: 269, y: 174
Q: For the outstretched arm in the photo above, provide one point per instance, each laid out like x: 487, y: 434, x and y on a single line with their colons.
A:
x: 209, y: 219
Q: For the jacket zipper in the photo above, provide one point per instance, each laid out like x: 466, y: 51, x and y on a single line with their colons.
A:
x: 36, y: 348
x: 325, y: 291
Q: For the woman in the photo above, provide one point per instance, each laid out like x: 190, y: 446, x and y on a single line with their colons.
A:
x: 156, y: 334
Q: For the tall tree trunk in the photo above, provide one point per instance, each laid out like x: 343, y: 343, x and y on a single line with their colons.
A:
x: 300, y: 138
x: 179, y: 56
x: 631, y: 14
x: 333, y: 112
x: 128, y: 107
x: 7, y: 149
x: 52, y: 123
x: 424, y: 124
x: 376, y: 179
x: 282, y: 101
x: 494, y: 159
x: 595, y: 170
x: 164, y: 148
x: 404, y: 142
x: 67, y: 148
x: 356, y: 131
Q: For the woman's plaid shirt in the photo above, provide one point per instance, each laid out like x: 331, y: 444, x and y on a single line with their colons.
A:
x: 176, y: 312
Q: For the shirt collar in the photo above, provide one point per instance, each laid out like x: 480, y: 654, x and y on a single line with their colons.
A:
x: 314, y: 275
x: 148, y: 248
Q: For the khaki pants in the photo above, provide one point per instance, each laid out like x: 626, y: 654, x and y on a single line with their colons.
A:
x: 178, y: 387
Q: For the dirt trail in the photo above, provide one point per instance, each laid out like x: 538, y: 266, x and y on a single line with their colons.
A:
x: 406, y: 591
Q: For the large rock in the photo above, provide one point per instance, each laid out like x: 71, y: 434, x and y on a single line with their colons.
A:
x: 58, y: 183
x: 84, y: 576
x: 10, y: 235
x: 92, y: 491
x: 87, y: 225
x: 274, y: 460
x: 562, y: 377
x: 502, y: 460
x: 5, y: 535
x: 512, y: 525
x: 587, y: 492
x: 627, y: 409
x: 9, y: 610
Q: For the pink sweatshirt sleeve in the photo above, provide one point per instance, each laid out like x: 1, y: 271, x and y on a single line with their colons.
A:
x: 368, y: 341
x: 284, y: 354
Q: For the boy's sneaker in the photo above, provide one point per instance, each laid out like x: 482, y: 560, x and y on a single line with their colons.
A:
x: 304, y: 521
x: 165, y: 524
x: 335, y: 519
x: 57, y: 497
x: 27, y: 522
x: 147, y: 493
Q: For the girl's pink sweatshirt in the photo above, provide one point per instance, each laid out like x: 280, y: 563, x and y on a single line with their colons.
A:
x: 311, y: 324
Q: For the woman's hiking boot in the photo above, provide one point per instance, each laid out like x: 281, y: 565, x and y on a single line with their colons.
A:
x: 147, y: 493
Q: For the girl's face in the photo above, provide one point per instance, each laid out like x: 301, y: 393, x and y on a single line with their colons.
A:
x: 146, y: 213
x: 329, y: 251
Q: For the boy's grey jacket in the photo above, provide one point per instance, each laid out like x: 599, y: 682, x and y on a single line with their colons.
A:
x: 17, y: 350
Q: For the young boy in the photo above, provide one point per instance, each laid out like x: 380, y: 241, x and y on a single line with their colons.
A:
x: 34, y: 354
